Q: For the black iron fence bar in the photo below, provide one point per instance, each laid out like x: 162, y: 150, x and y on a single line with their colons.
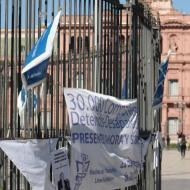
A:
x: 103, y: 67
x: 64, y: 66
x: 120, y: 52
x: 44, y: 118
x: 6, y: 73
x: 31, y: 43
x: 134, y: 56
x: 12, y: 87
x: 26, y: 26
x: 110, y: 50
x: 15, y: 84
x: 117, y: 54
x: 89, y: 29
x: 5, y: 93
x: 19, y: 78
x: 70, y: 67
x: 79, y: 70
x: 83, y: 74
x: 51, y: 81
x: 127, y: 54
x: 75, y: 44
x: 11, y: 74
x: 115, y: 65
x: 57, y: 76
x: 93, y: 13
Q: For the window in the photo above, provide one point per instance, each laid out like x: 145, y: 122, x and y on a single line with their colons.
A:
x: 173, y: 126
x: 173, y: 42
x: 71, y: 45
x: 87, y: 43
x: 49, y: 84
x: 79, y: 47
x: 122, y: 40
x: 173, y: 87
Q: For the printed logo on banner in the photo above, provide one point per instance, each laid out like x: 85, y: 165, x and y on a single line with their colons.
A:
x: 82, y: 169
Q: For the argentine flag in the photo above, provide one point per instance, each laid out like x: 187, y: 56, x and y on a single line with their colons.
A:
x: 160, y: 85
x: 35, y: 68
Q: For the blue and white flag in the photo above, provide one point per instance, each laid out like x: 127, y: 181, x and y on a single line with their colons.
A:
x: 35, y: 68
x: 160, y: 86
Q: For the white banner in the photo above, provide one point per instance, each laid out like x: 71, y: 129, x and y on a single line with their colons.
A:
x: 106, y: 150
x: 61, y: 170
x: 32, y: 158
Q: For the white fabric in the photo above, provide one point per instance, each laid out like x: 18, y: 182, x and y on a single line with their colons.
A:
x: 21, y: 105
x: 156, y: 149
x: 32, y: 158
x: 106, y: 150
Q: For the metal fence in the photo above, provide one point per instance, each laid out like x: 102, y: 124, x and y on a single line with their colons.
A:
x: 142, y: 62
x: 100, y: 45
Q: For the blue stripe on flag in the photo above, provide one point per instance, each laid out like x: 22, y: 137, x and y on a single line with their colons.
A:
x: 36, y: 73
x: 39, y: 48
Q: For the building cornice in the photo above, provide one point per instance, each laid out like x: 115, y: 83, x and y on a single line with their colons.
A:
x: 182, y: 27
x: 174, y: 24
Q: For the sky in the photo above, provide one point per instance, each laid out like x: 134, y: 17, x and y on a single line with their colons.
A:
x: 181, y: 5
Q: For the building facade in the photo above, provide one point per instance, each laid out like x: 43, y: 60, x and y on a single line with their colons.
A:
x: 175, y: 35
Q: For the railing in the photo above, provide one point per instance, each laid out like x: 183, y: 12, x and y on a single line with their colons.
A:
x: 100, y: 45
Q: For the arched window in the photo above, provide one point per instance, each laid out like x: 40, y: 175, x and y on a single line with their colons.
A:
x: 122, y: 40
x: 173, y: 43
x: 79, y: 44
x: 71, y: 45
x: 87, y: 43
x: 49, y: 84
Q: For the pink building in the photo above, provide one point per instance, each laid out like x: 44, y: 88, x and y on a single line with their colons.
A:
x: 175, y: 35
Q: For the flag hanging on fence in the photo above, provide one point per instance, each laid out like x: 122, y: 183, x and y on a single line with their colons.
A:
x: 35, y: 68
x: 160, y: 85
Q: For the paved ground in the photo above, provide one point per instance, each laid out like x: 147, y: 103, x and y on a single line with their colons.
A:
x: 175, y: 171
